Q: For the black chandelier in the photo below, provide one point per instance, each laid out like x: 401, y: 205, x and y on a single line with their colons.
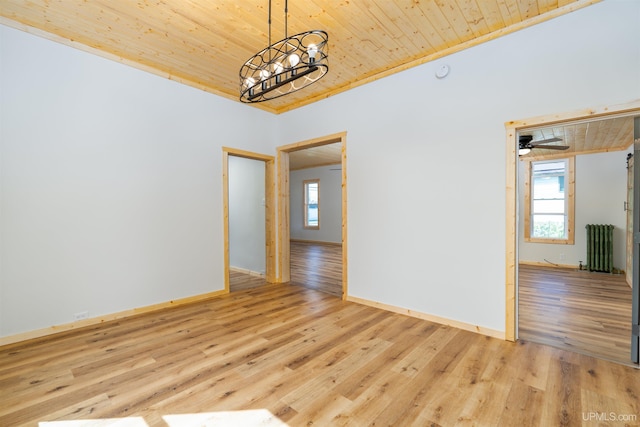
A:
x: 285, y: 66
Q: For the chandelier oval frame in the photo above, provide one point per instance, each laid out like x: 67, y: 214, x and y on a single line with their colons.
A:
x: 285, y: 66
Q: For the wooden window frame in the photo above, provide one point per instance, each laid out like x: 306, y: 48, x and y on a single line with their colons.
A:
x: 305, y: 205
x: 570, y: 200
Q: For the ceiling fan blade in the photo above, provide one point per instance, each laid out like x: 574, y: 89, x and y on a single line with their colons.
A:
x: 545, y: 141
x: 553, y: 147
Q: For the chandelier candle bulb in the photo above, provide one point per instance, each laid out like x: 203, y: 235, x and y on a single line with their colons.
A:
x: 311, y: 51
x: 294, y: 60
x: 278, y: 68
x: 250, y: 83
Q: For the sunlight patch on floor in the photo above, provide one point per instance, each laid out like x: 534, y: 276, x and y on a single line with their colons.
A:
x: 248, y: 418
x: 110, y: 422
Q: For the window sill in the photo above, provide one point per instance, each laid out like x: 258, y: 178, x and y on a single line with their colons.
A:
x: 550, y: 241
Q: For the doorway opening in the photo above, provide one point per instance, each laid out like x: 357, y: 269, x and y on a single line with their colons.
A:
x: 248, y: 242
x: 319, y: 250
x: 557, y: 275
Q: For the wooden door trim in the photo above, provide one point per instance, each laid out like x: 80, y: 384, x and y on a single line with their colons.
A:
x: 629, y: 222
x: 512, y: 129
x: 284, y: 231
x: 269, y: 196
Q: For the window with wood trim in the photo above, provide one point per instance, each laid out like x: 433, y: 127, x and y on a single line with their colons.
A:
x: 549, y: 201
x: 311, y: 207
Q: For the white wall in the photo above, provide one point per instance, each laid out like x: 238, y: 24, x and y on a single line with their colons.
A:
x: 432, y: 154
x: 111, y: 184
x: 247, y: 214
x: 330, y: 204
x: 600, y: 193
x: 111, y: 178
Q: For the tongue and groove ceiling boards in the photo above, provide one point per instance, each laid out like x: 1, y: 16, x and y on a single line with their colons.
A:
x: 584, y: 137
x: 203, y: 43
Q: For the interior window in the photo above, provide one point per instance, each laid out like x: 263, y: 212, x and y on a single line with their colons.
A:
x: 549, y: 205
x: 312, y: 204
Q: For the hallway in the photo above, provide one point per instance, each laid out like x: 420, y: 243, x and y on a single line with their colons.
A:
x: 313, y: 265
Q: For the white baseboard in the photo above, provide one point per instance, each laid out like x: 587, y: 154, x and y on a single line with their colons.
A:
x: 548, y: 264
x: 246, y: 271
x: 317, y: 242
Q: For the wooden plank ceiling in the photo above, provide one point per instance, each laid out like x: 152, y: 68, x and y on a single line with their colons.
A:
x: 322, y: 155
x: 203, y: 43
x: 583, y: 137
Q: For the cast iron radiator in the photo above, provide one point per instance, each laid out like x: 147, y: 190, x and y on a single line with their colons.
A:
x: 600, y: 247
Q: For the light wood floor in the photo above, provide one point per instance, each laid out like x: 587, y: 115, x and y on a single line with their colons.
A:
x: 313, y: 265
x: 317, y: 266
x: 240, y: 281
x: 307, y: 358
x: 576, y: 310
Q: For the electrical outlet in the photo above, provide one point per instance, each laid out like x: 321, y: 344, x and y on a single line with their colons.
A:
x: 81, y: 315
x: 562, y: 257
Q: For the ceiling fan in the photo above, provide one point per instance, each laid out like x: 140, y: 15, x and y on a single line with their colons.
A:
x: 526, y: 144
